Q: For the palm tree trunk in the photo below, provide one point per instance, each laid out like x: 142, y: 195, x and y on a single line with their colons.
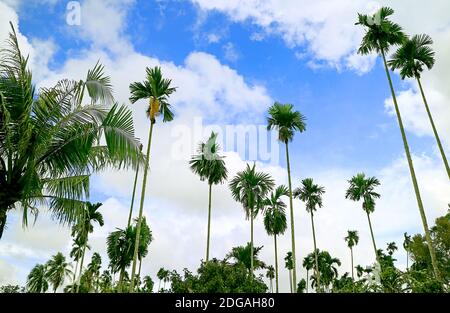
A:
x: 441, y: 149
x: 373, y: 238
x: 307, y: 281
x: 291, y: 207
x: 251, y: 243
x: 407, y: 260
x: 159, y: 285
x: 413, y: 176
x: 209, y: 222
x: 74, y: 276
x: 81, y: 266
x: 122, y: 274
x: 141, y: 207
x: 351, y: 256
x: 290, y: 280
x: 139, y: 271
x: 132, y: 197
x: 276, y: 262
x: 315, y: 253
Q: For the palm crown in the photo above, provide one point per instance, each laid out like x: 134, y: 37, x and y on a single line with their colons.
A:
x: 310, y: 193
x: 413, y: 56
x: 242, y: 255
x: 380, y: 32
x: 352, y: 238
x: 363, y: 188
x: 208, y: 164
x: 274, y: 216
x: 250, y: 188
x: 157, y: 89
x: 286, y: 121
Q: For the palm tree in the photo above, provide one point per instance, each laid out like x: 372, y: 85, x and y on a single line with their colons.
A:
x: 243, y: 255
x: 134, y: 191
x: 380, y: 34
x: 76, y: 253
x: 37, y: 279
x: 157, y: 90
x: 148, y: 284
x: 270, y: 274
x: 94, y: 268
x: 391, y: 248
x: 250, y: 188
x: 352, y: 240
x: 411, y: 58
x: 120, y: 247
x: 106, y: 282
x: 289, y: 264
x: 327, y: 269
x: 301, y: 286
x: 311, y: 194
x: 210, y: 166
x: 275, y: 219
x: 406, y: 244
x: 50, y: 141
x: 144, y: 242
x: 363, y: 188
x: 160, y: 276
x: 287, y: 122
x: 308, y: 264
x: 57, y: 270
x: 85, y: 227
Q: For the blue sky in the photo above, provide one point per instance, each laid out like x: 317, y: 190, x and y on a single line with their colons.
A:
x: 280, y: 53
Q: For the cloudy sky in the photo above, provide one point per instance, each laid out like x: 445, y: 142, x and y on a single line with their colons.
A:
x: 230, y: 60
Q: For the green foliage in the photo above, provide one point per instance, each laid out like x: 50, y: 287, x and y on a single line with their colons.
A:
x: 12, y: 289
x: 242, y: 255
x: 285, y: 121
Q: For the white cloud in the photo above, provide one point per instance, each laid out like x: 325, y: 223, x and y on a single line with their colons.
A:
x: 230, y: 52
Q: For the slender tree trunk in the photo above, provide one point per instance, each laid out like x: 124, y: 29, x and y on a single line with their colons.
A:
x: 413, y: 176
x: 159, y: 286
x: 351, y: 256
x: 132, y: 197
x: 438, y: 140
x: 276, y: 262
x: 315, y: 253
x: 407, y: 260
x: 307, y: 281
x: 373, y: 239
x: 291, y: 207
x: 141, y: 208
x: 74, y: 276
x: 251, y: 243
x: 209, y: 222
x: 122, y: 274
x: 290, y: 280
x: 139, y: 271
x: 81, y: 266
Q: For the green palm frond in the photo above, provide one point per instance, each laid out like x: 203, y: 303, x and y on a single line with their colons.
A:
x: 286, y: 121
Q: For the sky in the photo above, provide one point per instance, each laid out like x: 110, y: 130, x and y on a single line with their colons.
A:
x: 230, y: 60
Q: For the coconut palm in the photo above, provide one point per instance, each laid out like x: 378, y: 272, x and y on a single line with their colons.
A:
x: 37, y: 279
x: 275, y: 219
x: 86, y: 226
x: 50, y: 141
x: 411, y: 58
x: 57, y: 270
x: 380, y: 35
x: 210, y: 166
x: 311, y: 194
x: 352, y: 240
x: 250, y: 188
x: 134, y: 191
x: 406, y: 245
x: 270, y: 274
x: 308, y: 264
x: 157, y: 90
x: 362, y: 188
x: 243, y: 255
x: 289, y: 265
x: 120, y: 248
x: 286, y: 121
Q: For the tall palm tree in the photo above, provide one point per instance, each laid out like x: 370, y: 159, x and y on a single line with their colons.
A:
x: 243, y: 255
x: 210, y: 166
x: 37, y: 279
x: 94, y: 268
x: 311, y: 194
x: 289, y: 265
x: 352, y: 240
x: 76, y: 253
x: 86, y: 226
x: 270, y: 274
x: 275, y: 219
x: 50, y: 140
x: 308, y: 264
x: 406, y: 244
x: 286, y: 121
x: 411, y: 58
x: 144, y: 242
x: 134, y: 191
x: 157, y: 90
x: 362, y: 188
x: 57, y: 270
x: 250, y: 188
x: 381, y: 34
x: 120, y: 248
